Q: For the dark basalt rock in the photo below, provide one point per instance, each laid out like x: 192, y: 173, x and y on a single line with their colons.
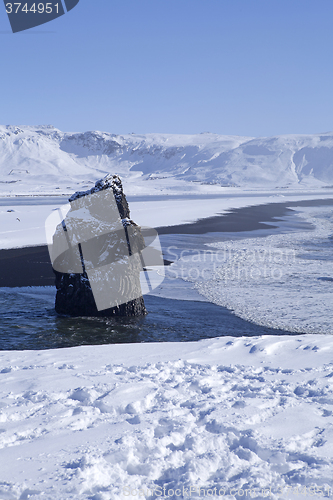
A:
x: 74, y: 295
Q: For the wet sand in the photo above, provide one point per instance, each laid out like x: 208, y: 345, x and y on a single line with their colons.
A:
x: 243, y: 219
x: 31, y: 266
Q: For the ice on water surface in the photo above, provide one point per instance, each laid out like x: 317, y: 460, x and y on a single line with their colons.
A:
x: 280, y: 281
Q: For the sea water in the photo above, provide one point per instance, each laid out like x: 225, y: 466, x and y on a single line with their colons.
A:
x: 28, y: 321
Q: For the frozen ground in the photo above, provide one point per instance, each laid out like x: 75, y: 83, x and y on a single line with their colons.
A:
x: 251, y: 417
x: 109, y: 422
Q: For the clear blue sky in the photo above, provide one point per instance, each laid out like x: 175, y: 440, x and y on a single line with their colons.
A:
x: 244, y: 67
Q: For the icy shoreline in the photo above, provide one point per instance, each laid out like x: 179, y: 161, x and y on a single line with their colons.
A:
x: 108, y: 422
x: 281, y: 281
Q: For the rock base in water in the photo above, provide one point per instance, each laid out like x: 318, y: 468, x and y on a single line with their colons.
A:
x: 75, y: 298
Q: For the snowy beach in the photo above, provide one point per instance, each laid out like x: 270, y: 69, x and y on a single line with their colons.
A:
x: 232, y: 417
x: 166, y: 250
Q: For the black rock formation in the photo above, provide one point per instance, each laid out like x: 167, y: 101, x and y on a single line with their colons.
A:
x: 75, y: 295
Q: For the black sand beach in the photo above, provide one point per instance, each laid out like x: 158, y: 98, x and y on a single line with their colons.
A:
x: 243, y: 219
x: 30, y: 266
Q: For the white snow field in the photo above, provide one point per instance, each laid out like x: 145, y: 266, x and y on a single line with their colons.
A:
x: 45, y: 160
x: 235, y: 417
x: 245, y: 417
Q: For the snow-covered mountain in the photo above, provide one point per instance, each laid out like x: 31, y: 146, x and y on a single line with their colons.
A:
x: 44, y: 159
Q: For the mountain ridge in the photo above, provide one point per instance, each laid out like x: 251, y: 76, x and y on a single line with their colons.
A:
x: 41, y: 158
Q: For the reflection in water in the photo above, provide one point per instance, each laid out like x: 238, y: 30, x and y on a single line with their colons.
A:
x: 28, y: 321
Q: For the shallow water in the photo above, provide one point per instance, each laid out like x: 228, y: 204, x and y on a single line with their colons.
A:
x: 28, y: 321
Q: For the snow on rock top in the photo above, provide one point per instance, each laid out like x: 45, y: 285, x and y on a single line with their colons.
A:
x: 109, y: 181
x: 42, y: 159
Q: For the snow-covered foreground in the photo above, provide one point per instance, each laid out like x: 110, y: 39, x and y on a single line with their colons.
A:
x: 239, y: 418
